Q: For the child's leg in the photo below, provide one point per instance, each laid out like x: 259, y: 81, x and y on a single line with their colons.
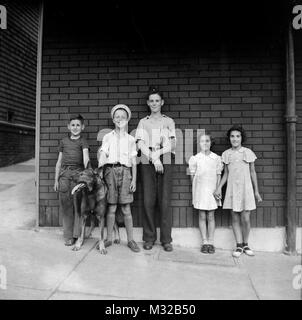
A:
x: 246, y: 225
x: 66, y: 207
x: 126, y: 210
x: 203, y: 226
x: 110, y: 220
x: 236, y: 226
x: 211, y: 226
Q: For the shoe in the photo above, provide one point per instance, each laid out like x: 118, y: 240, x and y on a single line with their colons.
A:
x: 107, y: 243
x: 168, y: 247
x: 248, y: 251
x: 148, y: 245
x: 133, y: 246
x: 204, y: 248
x: 69, y: 242
x: 238, y: 252
x: 211, y: 249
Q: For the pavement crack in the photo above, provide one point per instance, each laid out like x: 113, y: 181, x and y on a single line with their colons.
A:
x: 71, y: 271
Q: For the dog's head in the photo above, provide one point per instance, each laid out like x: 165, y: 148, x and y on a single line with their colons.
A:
x: 87, y: 177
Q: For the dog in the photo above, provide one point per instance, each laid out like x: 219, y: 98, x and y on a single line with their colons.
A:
x: 90, y: 199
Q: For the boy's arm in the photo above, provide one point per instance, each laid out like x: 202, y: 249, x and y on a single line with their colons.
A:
x: 134, y: 174
x: 58, y: 167
x: 86, y: 157
x: 101, y: 158
x: 255, y: 181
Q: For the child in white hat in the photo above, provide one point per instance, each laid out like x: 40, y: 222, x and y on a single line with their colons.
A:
x: 118, y: 157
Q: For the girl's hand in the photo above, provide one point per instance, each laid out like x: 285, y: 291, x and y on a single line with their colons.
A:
x: 217, y: 194
x: 133, y: 186
x: 56, y: 186
x: 258, y: 197
x: 158, y: 166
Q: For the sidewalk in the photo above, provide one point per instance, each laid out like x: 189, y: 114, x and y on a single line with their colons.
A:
x: 39, y: 266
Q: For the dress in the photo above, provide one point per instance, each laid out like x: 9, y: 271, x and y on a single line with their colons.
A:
x: 240, y: 193
x: 205, y: 169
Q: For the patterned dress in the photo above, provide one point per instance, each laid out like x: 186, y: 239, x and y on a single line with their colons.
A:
x: 240, y: 193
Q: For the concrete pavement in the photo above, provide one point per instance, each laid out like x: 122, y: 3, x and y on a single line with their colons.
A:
x: 39, y: 266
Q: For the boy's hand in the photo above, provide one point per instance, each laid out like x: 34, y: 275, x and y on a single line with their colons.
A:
x: 258, y: 197
x: 155, y: 156
x: 56, y: 186
x: 133, y: 186
x: 158, y: 166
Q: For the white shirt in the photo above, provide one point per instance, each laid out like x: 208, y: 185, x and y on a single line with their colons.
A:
x: 155, y: 132
x: 119, y: 148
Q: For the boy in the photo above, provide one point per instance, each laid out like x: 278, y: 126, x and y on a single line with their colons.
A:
x: 118, y: 156
x: 73, y: 158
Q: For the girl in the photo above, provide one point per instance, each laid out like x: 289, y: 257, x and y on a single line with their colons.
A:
x: 242, y: 187
x: 155, y: 137
x: 205, y: 169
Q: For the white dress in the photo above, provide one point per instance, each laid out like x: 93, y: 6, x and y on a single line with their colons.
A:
x: 205, y: 169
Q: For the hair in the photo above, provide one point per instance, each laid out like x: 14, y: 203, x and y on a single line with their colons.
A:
x: 239, y: 128
x: 154, y: 90
x: 76, y: 117
x: 207, y: 133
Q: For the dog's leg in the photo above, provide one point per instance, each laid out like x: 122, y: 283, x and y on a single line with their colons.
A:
x: 101, y: 245
x: 117, y: 238
x: 89, y: 231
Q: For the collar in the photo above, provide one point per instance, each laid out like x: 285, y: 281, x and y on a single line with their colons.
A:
x: 211, y: 155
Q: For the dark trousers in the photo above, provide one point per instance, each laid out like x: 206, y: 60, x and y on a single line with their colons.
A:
x: 157, y: 188
x: 71, y: 222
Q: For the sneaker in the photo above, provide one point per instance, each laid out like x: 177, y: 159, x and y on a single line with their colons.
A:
x: 69, y: 242
x: 238, y: 252
x: 248, y: 251
x: 133, y: 246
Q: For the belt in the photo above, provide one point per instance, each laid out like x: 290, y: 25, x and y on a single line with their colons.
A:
x: 117, y: 164
x: 72, y: 167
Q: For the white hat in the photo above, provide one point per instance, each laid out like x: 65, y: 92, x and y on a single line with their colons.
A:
x: 121, y: 106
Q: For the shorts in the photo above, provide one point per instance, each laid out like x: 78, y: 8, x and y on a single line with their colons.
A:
x: 118, y: 180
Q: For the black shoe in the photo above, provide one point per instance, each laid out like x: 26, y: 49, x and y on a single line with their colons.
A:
x: 168, y: 247
x: 148, y: 245
x: 204, y: 248
x: 211, y: 248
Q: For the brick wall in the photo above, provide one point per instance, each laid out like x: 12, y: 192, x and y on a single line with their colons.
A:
x: 18, y: 56
x: 205, y: 88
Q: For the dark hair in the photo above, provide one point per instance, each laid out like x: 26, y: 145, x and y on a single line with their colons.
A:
x: 154, y: 90
x: 76, y: 117
x: 239, y: 128
x: 206, y: 133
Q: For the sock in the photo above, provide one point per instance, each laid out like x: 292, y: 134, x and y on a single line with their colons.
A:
x: 244, y: 244
x: 239, y: 245
x: 204, y: 241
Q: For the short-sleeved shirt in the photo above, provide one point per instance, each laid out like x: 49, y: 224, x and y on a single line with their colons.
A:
x: 119, y: 148
x: 156, y: 133
x: 72, y: 150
